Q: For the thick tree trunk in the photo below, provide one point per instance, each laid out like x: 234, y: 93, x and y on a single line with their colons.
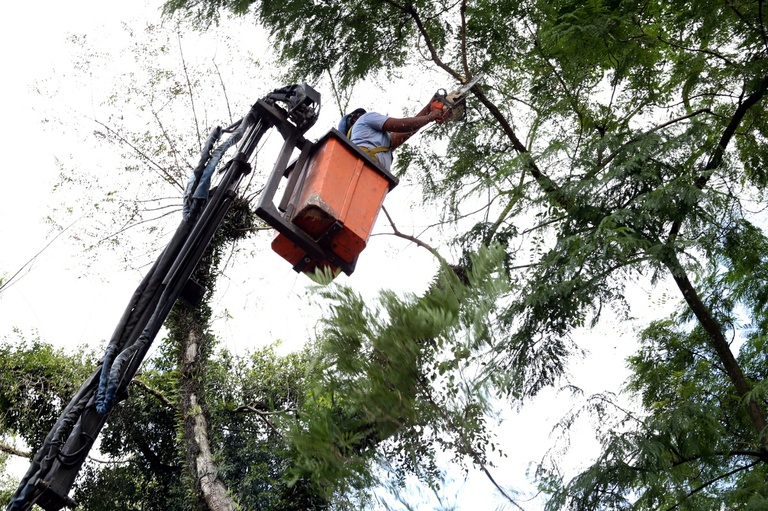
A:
x: 196, y: 444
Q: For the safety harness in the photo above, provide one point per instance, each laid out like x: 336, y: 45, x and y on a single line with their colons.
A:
x: 370, y: 151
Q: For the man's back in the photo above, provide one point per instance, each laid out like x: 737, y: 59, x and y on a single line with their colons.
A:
x: 368, y: 132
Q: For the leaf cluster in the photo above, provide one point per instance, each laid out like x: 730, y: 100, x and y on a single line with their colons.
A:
x: 399, y: 378
x: 36, y: 383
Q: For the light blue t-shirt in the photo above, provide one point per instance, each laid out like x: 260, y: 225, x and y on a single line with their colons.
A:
x: 369, y: 132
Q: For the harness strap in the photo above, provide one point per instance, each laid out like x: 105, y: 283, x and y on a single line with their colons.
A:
x: 368, y: 150
x: 372, y: 151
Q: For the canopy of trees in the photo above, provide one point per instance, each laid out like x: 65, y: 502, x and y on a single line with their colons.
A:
x: 608, y: 144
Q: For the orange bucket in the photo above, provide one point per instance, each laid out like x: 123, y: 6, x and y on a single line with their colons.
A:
x: 337, y: 204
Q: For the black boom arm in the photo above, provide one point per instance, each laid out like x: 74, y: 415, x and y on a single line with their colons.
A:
x: 292, y: 111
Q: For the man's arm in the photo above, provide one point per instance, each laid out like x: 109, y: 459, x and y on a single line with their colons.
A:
x: 403, y: 129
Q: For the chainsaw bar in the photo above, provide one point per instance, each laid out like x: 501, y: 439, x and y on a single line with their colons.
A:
x: 462, y: 91
x: 455, y: 99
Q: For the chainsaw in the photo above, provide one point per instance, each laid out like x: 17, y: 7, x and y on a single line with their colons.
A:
x: 453, y: 101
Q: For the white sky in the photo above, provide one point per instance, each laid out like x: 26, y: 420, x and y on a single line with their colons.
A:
x: 70, y: 305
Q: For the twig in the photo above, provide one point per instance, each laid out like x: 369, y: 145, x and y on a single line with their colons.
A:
x: 136, y: 224
x: 191, y: 96
x: 7, y: 283
x: 224, y: 89
x: 171, y: 145
x: 637, y: 138
x: 713, y: 481
x: 467, y: 446
x: 337, y: 95
x: 162, y: 171
x: 263, y: 416
x: 109, y: 462
x: 399, y: 234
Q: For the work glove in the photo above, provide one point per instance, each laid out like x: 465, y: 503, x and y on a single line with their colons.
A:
x: 445, y: 111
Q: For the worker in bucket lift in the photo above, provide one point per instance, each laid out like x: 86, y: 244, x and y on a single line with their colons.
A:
x: 379, y: 135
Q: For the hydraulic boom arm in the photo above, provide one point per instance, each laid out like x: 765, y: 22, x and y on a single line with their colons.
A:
x: 292, y: 111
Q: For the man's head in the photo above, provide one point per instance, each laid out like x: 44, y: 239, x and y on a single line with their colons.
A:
x: 355, y: 114
x: 349, y: 120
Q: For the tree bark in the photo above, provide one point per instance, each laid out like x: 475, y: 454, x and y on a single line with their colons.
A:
x: 196, y: 442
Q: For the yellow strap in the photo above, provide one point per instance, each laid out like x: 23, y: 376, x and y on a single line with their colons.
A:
x: 372, y: 152
x: 368, y: 151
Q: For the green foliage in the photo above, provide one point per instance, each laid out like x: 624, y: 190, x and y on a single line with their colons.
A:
x: 7, y: 485
x: 386, y: 380
x: 356, y: 38
x: 250, y: 400
x: 36, y: 382
x: 610, y: 142
x: 690, y: 446
x: 253, y: 452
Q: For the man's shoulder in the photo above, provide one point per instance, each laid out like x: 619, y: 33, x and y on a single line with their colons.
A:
x: 374, y: 119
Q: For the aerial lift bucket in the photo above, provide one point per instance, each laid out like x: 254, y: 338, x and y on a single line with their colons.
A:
x: 333, y: 196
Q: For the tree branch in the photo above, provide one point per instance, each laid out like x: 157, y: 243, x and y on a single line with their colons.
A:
x: 409, y: 9
x: 503, y: 215
x: 153, y: 392
x: 549, y: 186
x: 700, y: 310
x: 637, y: 138
x: 717, y: 340
x: 716, y: 159
x: 713, y: 481
x: 223, y: 89
x: 191, y: 96
x: 738, y: 116
x: 13, y: 451
x: 264, y: 415
x: 463, y: 11
x: 410, y: 238
x: 171, y: 145
x: 167, y: 176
